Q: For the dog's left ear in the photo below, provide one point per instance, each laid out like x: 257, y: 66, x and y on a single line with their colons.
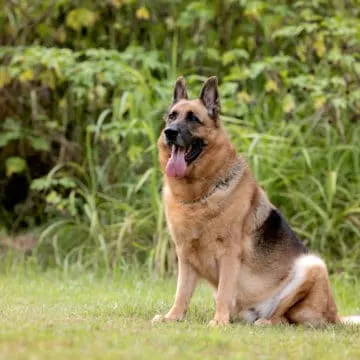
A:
x: 210, y: 97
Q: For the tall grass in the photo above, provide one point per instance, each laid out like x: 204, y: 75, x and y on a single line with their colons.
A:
x: 311, y: 175
x: 116, y: 204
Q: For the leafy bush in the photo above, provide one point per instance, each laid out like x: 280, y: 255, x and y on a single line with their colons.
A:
x: 83, y: 86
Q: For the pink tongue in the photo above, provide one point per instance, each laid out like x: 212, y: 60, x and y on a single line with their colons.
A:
x: 176, y: 165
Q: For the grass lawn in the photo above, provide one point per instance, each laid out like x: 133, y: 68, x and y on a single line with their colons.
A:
x: 48, y: 315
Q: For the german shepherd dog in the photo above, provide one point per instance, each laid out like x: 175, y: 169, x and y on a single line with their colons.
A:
x: 226, y: 230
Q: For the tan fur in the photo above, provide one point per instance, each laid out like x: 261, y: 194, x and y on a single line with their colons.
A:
x: 213, y: 237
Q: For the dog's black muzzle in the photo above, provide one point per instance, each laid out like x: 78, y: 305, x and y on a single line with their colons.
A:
x: 171, y: 134
x: 180, y: 136
x: 176, y: 135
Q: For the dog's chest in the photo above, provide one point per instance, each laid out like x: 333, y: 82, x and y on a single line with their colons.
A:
x: 200, y: 246
x: 200, y: 237
x: 203, y: 255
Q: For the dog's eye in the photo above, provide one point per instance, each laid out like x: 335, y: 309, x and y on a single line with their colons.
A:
x: 172, y: 116
x: 191, y: 117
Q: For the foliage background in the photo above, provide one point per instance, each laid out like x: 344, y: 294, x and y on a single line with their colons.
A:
x: 84, y: 84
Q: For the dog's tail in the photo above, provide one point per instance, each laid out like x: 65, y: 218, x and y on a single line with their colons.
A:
x: 352, y: 320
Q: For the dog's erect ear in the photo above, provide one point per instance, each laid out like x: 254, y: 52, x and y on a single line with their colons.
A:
x: 210, y: 96
x: 180, y: 90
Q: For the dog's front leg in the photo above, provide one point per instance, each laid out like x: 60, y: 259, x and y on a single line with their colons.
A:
x: 225, y: 290
x: 186, y: 283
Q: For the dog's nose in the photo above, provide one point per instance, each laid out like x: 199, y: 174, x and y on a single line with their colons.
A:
x: 171, y: 134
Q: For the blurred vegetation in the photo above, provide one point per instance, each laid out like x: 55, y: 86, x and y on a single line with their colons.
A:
x: 84, y: 85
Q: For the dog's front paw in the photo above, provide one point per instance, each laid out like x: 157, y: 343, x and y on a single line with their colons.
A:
x: 158, y: 319
x: 165, y: 318
x: 218, y: 322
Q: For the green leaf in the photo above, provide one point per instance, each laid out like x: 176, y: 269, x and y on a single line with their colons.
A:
x: 5, y: 77
x: 46, y: 183
x: 40, y: 184
x: 7, y: 137
x: 81, y: 17
x: 39, y: 143
x: 256, y: 69
x: 15, y: 165
x: 234, y: 55
x: 319, y: 45
x: 331, y: 187
x: 293, y: 31
x: 288, y: 103
x: 142, y: 13
x: 67, y: 183
x: 53, y: 198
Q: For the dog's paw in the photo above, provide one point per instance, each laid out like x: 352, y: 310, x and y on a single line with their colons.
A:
x: 165, y: 318
x: 218, y: 322
x: 158, y: 319
x: 262, y: 322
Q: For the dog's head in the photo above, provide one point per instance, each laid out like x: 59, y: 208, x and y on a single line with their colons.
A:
x: 191, y: 128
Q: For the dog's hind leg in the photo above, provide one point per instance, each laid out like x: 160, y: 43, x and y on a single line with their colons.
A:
x: 317, y: 308
x: 307, y: 299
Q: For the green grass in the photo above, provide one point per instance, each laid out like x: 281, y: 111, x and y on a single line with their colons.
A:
x: 87, y: 316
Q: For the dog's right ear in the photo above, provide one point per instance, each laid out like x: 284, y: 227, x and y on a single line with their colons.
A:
x: 180, y: 90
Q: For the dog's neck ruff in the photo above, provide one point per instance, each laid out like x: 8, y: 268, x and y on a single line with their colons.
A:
x: 233, y: 174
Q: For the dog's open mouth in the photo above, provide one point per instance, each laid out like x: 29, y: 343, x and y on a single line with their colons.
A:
x: 181, y: 157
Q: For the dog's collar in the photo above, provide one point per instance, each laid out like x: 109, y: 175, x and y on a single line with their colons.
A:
x: 222, y: 183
